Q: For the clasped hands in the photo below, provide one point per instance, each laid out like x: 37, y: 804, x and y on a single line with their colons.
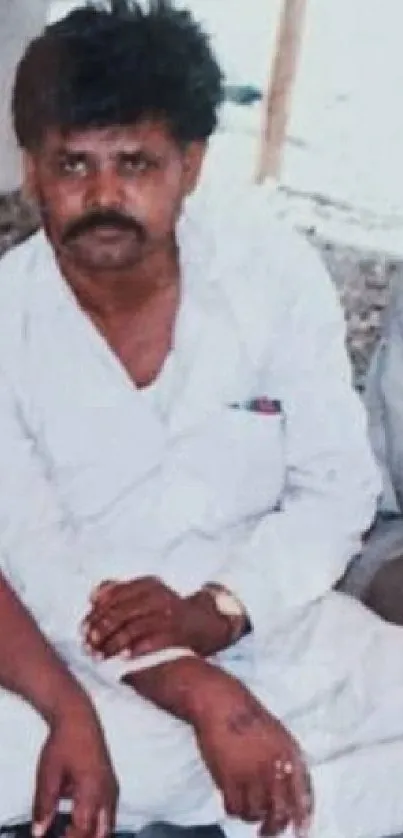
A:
x: 131, y: 619
x: 252, y: 758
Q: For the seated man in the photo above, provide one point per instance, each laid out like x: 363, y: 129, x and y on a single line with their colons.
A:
x: 185, y: 475
x: 376, y: 576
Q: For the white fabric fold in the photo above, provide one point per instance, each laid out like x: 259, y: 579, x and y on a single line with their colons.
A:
x: 296, y: 554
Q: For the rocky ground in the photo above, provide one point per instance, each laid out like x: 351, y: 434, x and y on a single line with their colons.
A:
x: 362, y: 277
x: 17, y: 220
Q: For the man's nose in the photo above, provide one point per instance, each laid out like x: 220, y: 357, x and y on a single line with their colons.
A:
x: 105, y: 190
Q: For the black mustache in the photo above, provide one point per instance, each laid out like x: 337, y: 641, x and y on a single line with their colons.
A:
x: 99, y: 219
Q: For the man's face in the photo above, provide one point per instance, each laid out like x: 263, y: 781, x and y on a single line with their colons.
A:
x: 111, y: 197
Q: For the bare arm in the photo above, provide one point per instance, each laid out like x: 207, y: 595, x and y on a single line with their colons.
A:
x: 179, y: 687
x: 35, y: 545
x: 74, y: 758
x: 253, y: 760
x: 29, y: 666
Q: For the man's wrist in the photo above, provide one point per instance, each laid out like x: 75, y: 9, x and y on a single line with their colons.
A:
x: 213, y: 622
x: 68, y: 699
x: 229, y: 606
x: 206, y: 631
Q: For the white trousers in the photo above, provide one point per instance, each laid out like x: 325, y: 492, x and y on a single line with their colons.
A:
x: 353, y: 737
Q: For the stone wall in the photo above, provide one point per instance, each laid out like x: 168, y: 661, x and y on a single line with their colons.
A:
x: 361, y: 277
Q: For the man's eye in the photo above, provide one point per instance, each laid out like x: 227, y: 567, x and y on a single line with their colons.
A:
x: 73, y: 166
x: 135, y: 165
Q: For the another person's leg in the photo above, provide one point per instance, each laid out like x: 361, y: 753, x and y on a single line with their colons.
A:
x: 376, y: 575
x: 384, y: 594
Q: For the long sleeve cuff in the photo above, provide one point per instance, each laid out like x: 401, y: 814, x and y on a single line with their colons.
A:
x: 292, y: 559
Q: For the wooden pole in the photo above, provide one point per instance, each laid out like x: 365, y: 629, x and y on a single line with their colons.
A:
x: 277, y: 103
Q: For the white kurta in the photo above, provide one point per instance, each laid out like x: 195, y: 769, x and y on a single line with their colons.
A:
x: 101, y: 481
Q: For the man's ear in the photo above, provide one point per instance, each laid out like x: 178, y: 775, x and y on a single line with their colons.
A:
x: 29, y: 189
x: 194, y: 155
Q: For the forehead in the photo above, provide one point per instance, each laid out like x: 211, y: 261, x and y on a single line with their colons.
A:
x: 147, y: 135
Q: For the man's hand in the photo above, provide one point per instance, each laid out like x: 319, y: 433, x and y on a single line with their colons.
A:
x: 253, y: 759
x: 75, y: 764
x: 256, y: 763
x: 143, y: 616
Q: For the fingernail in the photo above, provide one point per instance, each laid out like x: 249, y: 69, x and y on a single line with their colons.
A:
x: 40, y: 828
x: 304, y: 830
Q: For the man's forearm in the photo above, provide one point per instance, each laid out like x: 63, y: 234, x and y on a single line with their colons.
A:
x: 29, y: 666
x: 182, y: 688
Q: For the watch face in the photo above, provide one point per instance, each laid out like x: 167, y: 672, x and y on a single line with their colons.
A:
x: 228, y: 605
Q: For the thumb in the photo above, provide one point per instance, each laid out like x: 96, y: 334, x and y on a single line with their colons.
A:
x: 49, y: 780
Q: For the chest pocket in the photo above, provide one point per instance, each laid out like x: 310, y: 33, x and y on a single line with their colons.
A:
x: 239, y: 457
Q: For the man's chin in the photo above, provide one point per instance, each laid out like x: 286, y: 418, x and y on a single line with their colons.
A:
x: 104, y: 257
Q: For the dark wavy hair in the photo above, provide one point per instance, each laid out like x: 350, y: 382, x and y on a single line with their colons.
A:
x: 117, y: 64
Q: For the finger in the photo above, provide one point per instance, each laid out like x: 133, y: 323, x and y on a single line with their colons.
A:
x: 301, y: 797
x: 278, y: 813
x: 85, y: 813
x: 100, y: 609
x: 101, y: 630
x: 134, y: 636
x: 133, y: 599
x: 233, y: 798
x: 104, y: 824
x: 49, y: 781
x: 41, y: 826
x: 273, y: 825
x: 256, y: 797
x: 113, y: 613
x: 121, y: 591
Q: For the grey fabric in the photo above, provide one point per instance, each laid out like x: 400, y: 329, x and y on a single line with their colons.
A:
x: 384, y: 544
x: 384, y: 401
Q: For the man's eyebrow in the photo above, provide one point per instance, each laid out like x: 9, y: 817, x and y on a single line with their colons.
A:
x: 138, y: 153
x: 61, y: 153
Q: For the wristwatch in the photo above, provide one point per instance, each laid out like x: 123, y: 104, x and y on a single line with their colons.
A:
x: 229, y: 606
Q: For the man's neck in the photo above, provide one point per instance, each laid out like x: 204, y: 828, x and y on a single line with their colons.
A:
x: 108, y: 296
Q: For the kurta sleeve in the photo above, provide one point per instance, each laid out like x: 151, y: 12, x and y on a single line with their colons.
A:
x: 41, y: 552
x: 297, y: 554
x: 37, y: 538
